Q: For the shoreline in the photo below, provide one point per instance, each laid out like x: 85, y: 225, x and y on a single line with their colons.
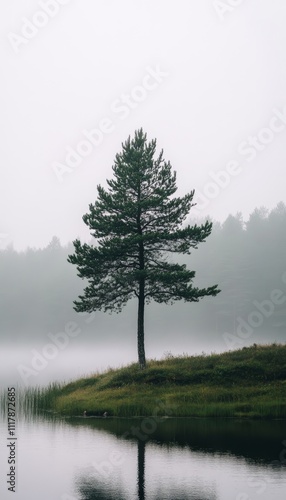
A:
x: 247, y: 383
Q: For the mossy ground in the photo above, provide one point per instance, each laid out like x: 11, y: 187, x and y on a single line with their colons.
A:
x: 250, y: 382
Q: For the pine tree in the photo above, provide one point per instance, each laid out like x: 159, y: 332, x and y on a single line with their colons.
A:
x: 137, y: 223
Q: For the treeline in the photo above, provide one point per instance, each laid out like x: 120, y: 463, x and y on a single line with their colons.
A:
x: 246, y: 259
x: 37, y: 288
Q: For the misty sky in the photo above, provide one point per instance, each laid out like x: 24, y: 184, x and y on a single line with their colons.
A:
x: 208, y: 82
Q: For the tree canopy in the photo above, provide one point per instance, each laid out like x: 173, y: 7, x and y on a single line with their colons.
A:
x: 137, y: 223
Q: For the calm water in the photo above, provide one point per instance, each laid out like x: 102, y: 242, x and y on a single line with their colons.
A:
x: 145, y: 459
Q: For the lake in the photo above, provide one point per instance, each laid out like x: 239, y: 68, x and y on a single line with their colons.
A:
x: 145, y: 458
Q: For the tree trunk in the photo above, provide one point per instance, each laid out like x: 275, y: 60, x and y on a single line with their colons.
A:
x: 140, y: 329
x: 141, y: 297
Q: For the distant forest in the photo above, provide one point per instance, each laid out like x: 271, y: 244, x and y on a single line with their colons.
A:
x: 246, y: 259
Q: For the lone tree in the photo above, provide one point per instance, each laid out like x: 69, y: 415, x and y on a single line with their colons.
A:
x: 137, y: 222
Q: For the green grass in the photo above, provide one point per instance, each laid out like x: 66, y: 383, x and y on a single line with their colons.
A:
x: 250, y: 382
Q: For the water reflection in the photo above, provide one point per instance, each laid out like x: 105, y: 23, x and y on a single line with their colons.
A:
x: 134, y: 459
x: 254, y: 440
x: 165, y: 473
x: 89, y: 490
x: 91, y: 487
x: 141, y: 470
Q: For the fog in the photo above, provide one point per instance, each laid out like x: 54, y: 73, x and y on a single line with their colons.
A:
x: 217, y: 99
x: 208, y: 83
x: 245, y: 258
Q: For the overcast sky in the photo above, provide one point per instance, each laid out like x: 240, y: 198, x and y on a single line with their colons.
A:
x: 206, y: 78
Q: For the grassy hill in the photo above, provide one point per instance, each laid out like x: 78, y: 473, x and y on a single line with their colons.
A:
x: 250, y: 382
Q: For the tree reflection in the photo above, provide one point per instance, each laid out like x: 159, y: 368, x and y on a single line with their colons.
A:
x: 253, y: 441
x: 88, y: 490
x: 141, y: 470
x: 91, y: 488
